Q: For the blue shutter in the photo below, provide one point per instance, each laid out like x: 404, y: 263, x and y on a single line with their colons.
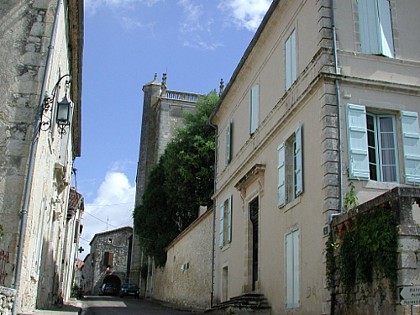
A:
x: 375, y: 27
x: 385, y: 28
x: 254, y: 108
x: 281, y: 185
x: 290, y: 60
x: 357, y: 142
x: 298, y: 166
x: 411, y: 143
x: 221, y: 224
x: 230, y: 219
x: 296, y: 266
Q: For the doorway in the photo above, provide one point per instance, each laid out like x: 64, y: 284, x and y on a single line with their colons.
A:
x: 253, y: 216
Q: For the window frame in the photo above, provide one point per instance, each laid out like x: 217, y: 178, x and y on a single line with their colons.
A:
x: 290, y: 168
x: 225, y: 222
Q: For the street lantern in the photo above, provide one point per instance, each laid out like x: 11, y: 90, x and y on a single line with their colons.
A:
x: 63, y: 114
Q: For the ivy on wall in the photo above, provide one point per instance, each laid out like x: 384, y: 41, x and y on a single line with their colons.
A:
x: 365, y: 250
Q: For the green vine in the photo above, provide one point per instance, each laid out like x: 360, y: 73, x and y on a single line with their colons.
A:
x: 367, y: 251
x: 351, y: 199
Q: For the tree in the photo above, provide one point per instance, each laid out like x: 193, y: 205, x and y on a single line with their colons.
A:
x: 182, y: 180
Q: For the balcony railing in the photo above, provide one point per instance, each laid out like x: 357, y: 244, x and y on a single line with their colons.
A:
x: 181, y: 96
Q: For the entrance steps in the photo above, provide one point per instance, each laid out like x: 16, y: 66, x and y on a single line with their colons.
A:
x: 245, y: 304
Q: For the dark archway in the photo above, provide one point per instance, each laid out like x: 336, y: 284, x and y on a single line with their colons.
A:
x: 114, y: 280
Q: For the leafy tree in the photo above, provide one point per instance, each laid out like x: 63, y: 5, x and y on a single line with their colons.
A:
x: 181, y: 182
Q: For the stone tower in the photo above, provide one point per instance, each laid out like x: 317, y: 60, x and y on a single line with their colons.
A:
x: 163, y: 113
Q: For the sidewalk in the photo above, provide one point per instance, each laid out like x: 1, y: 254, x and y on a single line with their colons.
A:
x: 73, y: 307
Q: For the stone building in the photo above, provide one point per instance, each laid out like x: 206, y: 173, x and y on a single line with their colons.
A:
x: 110, y: 259
x: 163, y: 113
x: 41, y: 46
x: 321, y: 114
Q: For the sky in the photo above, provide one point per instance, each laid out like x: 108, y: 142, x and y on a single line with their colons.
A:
x: 196, y: 42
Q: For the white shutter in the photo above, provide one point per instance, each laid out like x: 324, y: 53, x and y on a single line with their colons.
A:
x: 357, y: 142
x: 221, y: 225
x: 281, y: 186
x: 411, y: 143
x: 254, y: 108
x: 230, y: 219
x: 298, y: 166
x: 292, y: 270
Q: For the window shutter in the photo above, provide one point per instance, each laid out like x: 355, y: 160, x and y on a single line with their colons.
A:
x: 385, y: 28
x: 299, y: 173
x: 281, y: 186
x: 221, y: 219
x: 254, y: 109
x: 290, y: 59
x: 228, y: 142
x: 357, y: 141
x: 296, y: 286
x: 289, y: 271
x: 230, y: 219
x: 411, y: 144
x: 375, y: 27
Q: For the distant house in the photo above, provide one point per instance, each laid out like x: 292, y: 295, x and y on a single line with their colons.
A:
x: 109, y: 260
x: 324, y: 96
x: 41, y: 46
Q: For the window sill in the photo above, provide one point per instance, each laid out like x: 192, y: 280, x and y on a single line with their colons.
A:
x: 291, y: 204
x: 371, y: 184
x: 225, y: 247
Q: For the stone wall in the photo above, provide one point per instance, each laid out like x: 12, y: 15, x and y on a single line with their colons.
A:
x: 185, y: 280
x: 7, y: 299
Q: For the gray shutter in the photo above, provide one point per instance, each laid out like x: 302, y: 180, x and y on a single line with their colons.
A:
x: 281, y: 185
x: 221, y: 225
x: 357, y: 142
x: 228, y: 142
x: 254, y: 108
x: 411, y: 144
x: 385, y: 28
x: 230, y: 219
x: 299, y: 164
x: 290, y: 60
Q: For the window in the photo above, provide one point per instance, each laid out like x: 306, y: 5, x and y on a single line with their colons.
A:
x: 373, y: 145
x: 292, y: 269
x: 225, y: 220
x: 108, y: 259
x: 290, y: 59
x: 290, y: 176
x: 229, y: 142
x: 375, y: 27
x: 254, y: 108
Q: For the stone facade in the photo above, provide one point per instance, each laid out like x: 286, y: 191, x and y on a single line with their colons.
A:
x: 313, y: 80
x: 110, y: 254
x: 163, y: 112
x: 186, y: 277
x: 41, y: 47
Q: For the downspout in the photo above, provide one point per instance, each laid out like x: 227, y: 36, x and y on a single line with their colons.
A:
x: 338, y: 101
x: 31, y: 161
x: 340, y: 158
x: 214, y: 218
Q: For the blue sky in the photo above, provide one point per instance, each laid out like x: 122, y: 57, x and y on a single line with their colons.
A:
x: 196, y: 42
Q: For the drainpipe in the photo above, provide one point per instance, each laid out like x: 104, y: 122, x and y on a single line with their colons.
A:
x: 340, y: 158
x: 214, y: 219
x: 338, y: 101
x: 31, y: 161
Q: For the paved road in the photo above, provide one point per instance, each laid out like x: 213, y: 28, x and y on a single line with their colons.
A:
x: 108, y: 305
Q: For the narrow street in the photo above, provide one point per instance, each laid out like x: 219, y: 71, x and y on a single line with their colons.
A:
x: 111, y: 305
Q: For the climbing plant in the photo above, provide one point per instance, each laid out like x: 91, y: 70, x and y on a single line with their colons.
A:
x: 366, y: 250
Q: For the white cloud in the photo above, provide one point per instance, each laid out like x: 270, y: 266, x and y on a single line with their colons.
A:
x: 112, y: 208
x: 246, y: 13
